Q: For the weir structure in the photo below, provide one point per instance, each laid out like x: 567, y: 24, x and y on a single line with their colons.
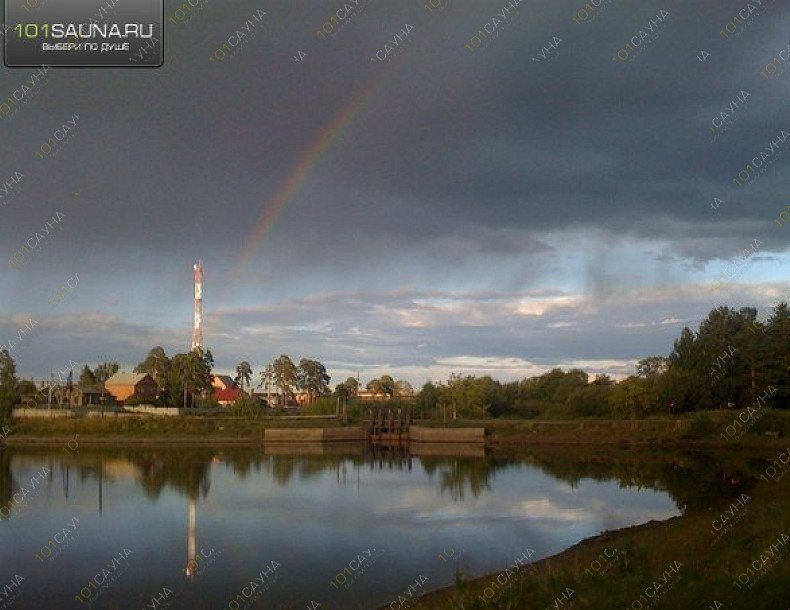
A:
x: 385, y: 424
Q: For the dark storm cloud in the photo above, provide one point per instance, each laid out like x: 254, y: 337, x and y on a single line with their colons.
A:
x: 451, y: 142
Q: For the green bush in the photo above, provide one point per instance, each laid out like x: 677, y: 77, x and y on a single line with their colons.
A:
x: 322, y: 406
x: 701, y: 426
x: 530, y: 409
x: 208, y: 402
x: 247, y: 407
x: 6, y: 406
x: 590, y: 400
x: 770, y: 420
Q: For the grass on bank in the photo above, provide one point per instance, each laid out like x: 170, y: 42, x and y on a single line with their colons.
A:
x: 151, y: 426
x: 720, y: 428
x: 631, y: 568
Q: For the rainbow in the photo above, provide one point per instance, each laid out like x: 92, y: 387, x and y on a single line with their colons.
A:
x: 301, y: 171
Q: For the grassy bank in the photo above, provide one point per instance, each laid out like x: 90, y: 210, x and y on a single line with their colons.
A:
x: 710, y: 429
x: 136, y: 429
x: 692, y: 561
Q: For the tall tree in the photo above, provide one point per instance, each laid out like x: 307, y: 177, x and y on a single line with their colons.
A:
x: 403, y: 389
x: 352, y: 385
x: 156, y: 364
x: 777, y: 370
x: 684, y: 352
x: 284, y: 376
x: 312, y: 378
x: 106, y: 370
x: 382, y: 385
x: 87, y: 377
x: 342, y: 391
x: 189, y: 375
x: 267, y: 381
x: 428, y: 398
x: 651, y: 366
x: 243, y: 374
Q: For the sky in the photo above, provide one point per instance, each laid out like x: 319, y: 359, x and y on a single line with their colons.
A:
x: 478, y: 187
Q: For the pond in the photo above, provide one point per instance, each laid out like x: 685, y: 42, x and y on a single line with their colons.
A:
x: 341, y: 526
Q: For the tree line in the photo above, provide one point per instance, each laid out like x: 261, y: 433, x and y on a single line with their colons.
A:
x: 733, y: 360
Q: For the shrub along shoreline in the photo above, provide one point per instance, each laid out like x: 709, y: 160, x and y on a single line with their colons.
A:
x: 723, y: 428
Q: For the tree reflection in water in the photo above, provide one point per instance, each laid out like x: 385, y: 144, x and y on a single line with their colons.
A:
x: 7, y: 482
x: 693, y: 479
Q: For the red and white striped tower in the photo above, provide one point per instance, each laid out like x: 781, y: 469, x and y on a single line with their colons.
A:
x: 197, y: 332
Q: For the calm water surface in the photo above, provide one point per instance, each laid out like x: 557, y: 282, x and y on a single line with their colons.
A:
x: 350, y: 529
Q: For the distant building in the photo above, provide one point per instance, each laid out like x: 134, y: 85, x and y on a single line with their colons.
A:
x: 125, y: 385
x: 302, y: 398
x: 227, y: 397
x: 365, y: 394
x: 86, y: 395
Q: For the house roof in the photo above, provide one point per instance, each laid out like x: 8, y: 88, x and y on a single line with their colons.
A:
x: 230, y: 395
x: 226, y: 379
x: 126, y: 379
